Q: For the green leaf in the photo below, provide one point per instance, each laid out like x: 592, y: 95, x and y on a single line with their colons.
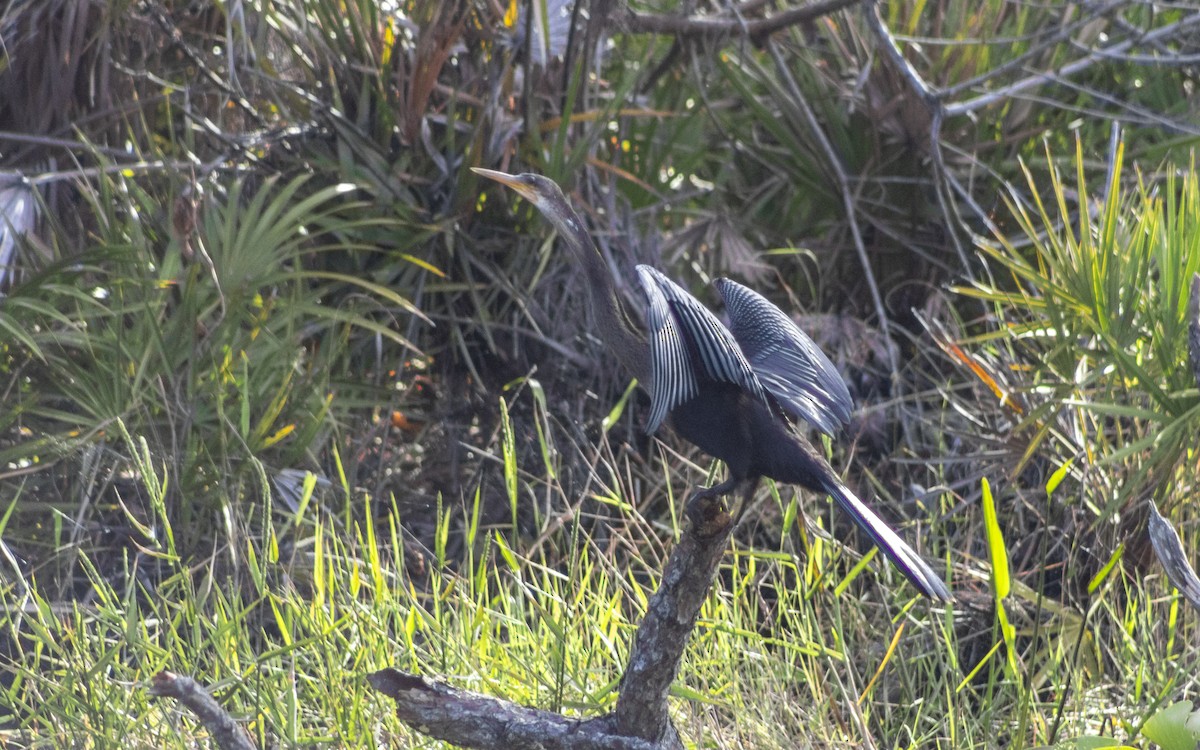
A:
x: 1171, y: 728
x: 1057, y: 477
x: 509, y: 449
x: 997, y: 551
x: 1104, y: 572
x: 614, y: 414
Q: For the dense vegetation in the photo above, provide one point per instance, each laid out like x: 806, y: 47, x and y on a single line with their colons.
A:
x: 289, y: 395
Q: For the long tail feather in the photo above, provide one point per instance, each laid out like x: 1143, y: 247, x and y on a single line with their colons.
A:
x: 904, y: 557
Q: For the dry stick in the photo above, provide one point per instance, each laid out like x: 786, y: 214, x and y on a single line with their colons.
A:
x: 942, y: 178
x: 175, y: 36
x: 670, y: 618
x: 228, y: 734
x: 641, y: 720
x: 559, y: 348
x: 63, y: 143
x: 1071, y: 68
x: 843, y: 184
x: 700, y: 26
x: 1127, y: 110
x: 1173, y: 556
x: 1038, y: 47
x: 935, y: 99
x: 937, y: 114
x: 87, y: 173
x: 888, y: 43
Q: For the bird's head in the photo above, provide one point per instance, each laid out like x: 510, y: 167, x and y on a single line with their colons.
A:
x: 542, y: 192
x: 613, y: 324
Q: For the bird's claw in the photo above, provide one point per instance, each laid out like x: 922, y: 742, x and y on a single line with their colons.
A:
x: 706, y: 513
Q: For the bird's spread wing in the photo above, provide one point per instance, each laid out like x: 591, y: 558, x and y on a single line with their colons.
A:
x: 791, y: 367
x: 687, y: 342
x: 672, y: 380
x: 904, y: 557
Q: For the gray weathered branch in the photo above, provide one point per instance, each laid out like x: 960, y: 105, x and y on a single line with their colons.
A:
x: 1173, y: 556
x: 641, y: 720
x: 225, y: 730
x: 473, y: 720
x: 710, y: 26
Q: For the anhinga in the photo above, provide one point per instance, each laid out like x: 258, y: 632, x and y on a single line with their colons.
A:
x: 730, y: 391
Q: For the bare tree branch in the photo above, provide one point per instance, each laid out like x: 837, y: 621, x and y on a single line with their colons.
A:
x: 670, y: 617
x: 1170, y: 552
x: 703, y: 26
x: 1071, y: 68
x: 892, y: 50
x: 226, y: 731
x: 472, y: 720
x: 641, y: 720
x: 839, y: 171
x: 1038, y: 48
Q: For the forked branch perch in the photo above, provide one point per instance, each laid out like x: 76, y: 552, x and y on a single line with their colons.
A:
x: 641, y: 720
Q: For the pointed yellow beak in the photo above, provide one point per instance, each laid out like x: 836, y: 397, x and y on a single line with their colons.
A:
x: 510, y: 181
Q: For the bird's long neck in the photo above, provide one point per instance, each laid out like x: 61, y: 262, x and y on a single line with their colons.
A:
x: 616, y: 329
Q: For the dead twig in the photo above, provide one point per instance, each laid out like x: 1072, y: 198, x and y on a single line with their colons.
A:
x: 1169, y: 549
x: 1101, y: 54
x: 714, y: 26
x: 226, y: 731
x: 472, y: 720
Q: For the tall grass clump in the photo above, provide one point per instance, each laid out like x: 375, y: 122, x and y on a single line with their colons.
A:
x: 1095, y: 302
x: 317, y: 600
x: 1082, y: 367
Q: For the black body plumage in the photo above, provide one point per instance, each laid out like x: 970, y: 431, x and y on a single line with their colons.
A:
x: 730, y: 391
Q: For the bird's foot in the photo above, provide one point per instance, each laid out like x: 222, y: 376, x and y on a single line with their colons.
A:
x: 704, y: 506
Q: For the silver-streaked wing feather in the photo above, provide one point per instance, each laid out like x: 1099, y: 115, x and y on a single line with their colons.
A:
x: 787, y: 362
x: 686, y: 338
x: 672, y: 380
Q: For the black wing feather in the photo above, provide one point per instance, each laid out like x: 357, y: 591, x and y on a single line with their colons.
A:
x: 787, y: 362
x: 672, y: 380
x: 687, y: 341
